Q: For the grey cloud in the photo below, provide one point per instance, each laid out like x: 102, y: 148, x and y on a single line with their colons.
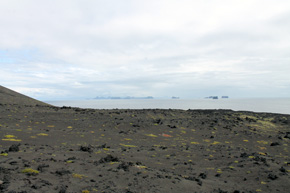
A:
x: 145, y: 47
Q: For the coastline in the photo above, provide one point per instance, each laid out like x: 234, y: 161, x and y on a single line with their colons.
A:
x: 271, y: 105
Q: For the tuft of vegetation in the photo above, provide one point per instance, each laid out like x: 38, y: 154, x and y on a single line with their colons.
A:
x: 9, y: 136
x: 263, y: 142
x: 215, y: 142
x: 242, y: 116
x: 11, y: 139
x: 30, y: 171
x: 151, y: 135
x: 80, y: 176
x: 42, y: 134
x: 127, y: 145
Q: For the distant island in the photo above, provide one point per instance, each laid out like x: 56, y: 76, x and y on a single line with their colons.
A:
x: 216, y: 97
x: 127, y: 97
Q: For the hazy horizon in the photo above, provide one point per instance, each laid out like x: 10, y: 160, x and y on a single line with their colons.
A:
x: 163, y: 98
x: 73, y: 49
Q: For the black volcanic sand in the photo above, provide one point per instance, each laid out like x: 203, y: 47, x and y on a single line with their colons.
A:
x: 50, y: 149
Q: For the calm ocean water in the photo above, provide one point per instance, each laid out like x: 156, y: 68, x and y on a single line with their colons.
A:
x: 274, y: 105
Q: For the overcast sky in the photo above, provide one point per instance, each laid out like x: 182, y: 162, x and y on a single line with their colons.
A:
x: 78, y: 49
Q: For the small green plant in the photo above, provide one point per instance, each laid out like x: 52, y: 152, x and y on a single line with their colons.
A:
x: 42, y: 134
x: 30, y: 171
x: 80, y: 176
x: 151, y: 135
x: 127, y: 145
x: 9, y: 136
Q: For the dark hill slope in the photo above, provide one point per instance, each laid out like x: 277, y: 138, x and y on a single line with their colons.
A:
x: 10, y: 97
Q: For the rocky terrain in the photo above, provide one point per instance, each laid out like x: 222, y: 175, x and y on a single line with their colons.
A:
x: 62, y: 149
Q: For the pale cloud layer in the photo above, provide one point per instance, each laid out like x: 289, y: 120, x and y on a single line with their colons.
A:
x: 86, y: 48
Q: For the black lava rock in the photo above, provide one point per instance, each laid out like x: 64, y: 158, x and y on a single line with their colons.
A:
x: 275, y: 144
x: 272, y: 177
x: 14, y: 148
x: 88, y: 148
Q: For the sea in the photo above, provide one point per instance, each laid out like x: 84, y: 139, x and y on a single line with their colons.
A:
x: 269, y: 105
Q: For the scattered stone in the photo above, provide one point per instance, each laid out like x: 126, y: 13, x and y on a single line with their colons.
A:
x: 203, y: 175
x: 103, y: 146
x: 199, y: 182
x: 41, y: 167
x: 275, y: 144
x: 13, y: 163
x: 108, y: 158
x: 244, y: 155
x: 71, y: 158
x: 158, y: 121
x: 272, y: 177
x: 14, y: 148
x: 287, y: 135
x: 190, y: 178
x: 88, y: 148
x: 62, y: 172
x: 62, y: 189
x: 125, y: 166
x: 283, y: 170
